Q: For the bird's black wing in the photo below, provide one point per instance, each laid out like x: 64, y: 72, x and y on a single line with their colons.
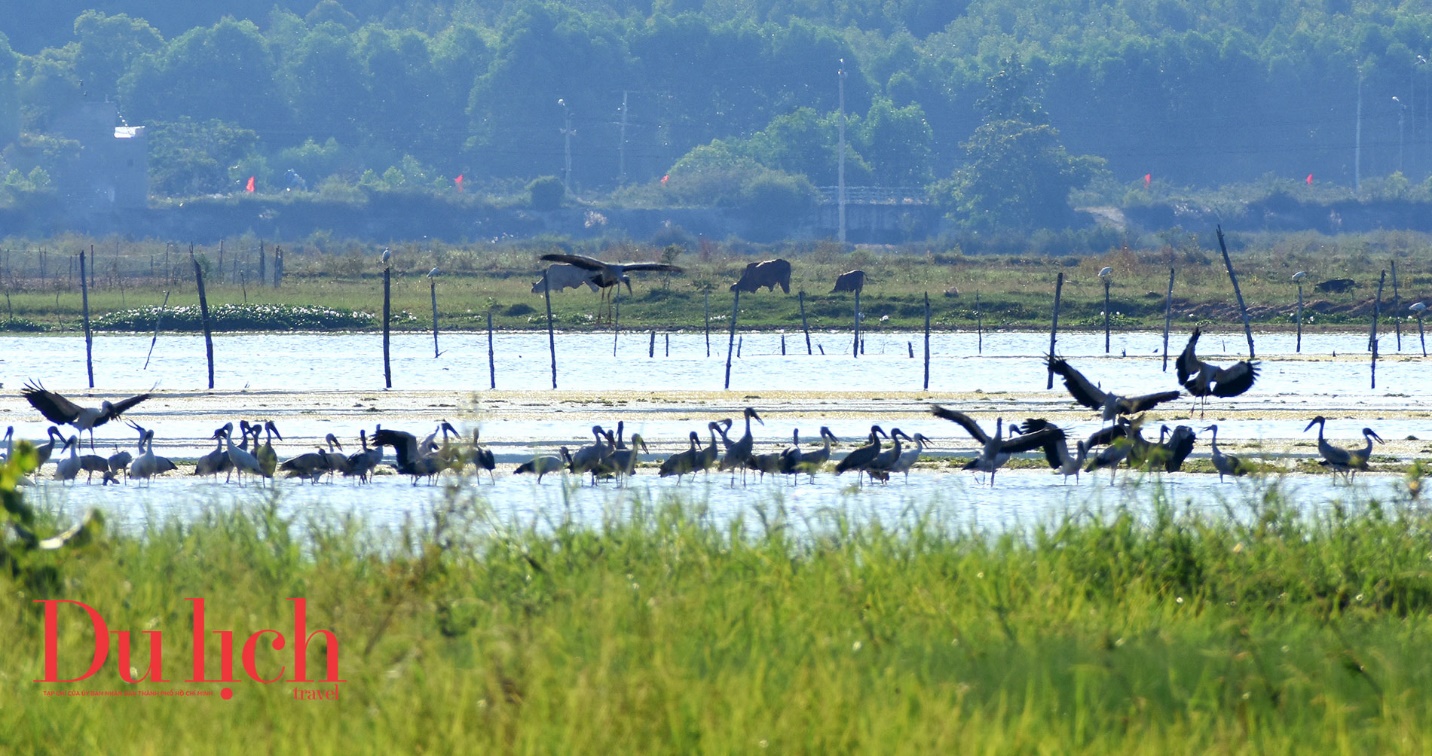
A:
x: 1135, y: 404
x: 1031, y: 441
x: 1079, y: 387
x: 1031, y: 425
x: 119, y: 408
x: 1180, y: 446
x: 652, y: 266
x: 965, y: 421
x: 54, y: 407
x: 1187, y: 364
x: 1106, y: 436
x: 1235, y: 379
x: 581, y: 261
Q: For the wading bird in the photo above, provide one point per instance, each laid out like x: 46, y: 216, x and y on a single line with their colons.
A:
x: 1173, y: 452
x: 58, y: 409
x: 738, y: 452
x: 361, y: 464
x: 1349, y: 462
x: 684, y: 461
x: 1110, y: 404
x: 861, y: 456
x: 996, y: 450
x: 1204, y: 380
x: 1225, y: 464
x: 546, y: 464
x: 68, y: 467
x: 410, y: 460
x: 909, y: 457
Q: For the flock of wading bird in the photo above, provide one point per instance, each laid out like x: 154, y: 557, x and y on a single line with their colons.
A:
x: 1119, y: 442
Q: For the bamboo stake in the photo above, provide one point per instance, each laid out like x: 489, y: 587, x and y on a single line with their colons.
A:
x: 157, y: 320
x: 89, y: 339
x: 927, y: 342
x: 433, y: 289
x: 204, y: 314
x: 1227, y: 262
x: 1168, y: 316
x: 387, y: 327
x: 491, y: 358
x: 1054, y: 326
x: 731, y: 341
x: 1376, y: 313
x: 856, y: 347
x: 804, y: 326
x: 551, y: 339
x: 1396, y: 305
x: 979, y: 320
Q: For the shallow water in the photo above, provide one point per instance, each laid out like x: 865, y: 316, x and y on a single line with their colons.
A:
x: 1009, y: 362
x: 1019, y: 497
x: 1289, y: 390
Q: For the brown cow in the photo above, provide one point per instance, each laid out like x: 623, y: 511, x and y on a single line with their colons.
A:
x: 851, y: 281
x: 768, y: 273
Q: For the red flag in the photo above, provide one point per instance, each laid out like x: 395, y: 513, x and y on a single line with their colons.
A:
x: 250, y: 186
x: 1309, y: 179
x: 458, y: 181
x: 664, y: 178
x: 1148, y: 179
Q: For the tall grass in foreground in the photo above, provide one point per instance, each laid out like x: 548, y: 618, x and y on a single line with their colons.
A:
x: 1268, y: 629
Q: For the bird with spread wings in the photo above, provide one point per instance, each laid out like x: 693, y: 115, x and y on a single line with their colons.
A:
x: 61, y: 411
x: 1112, y: 405
x: 611, y: 275
x: 1204, y: 380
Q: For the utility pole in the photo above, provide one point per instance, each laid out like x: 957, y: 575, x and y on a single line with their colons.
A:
x: 567, y: 133
x: 840, y: 171
x: 621, y: 146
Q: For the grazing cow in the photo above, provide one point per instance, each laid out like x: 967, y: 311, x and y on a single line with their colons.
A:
x: 767, y: 273
x: 852, y: 281
x: 564, y: 276
x: 1336, y: 284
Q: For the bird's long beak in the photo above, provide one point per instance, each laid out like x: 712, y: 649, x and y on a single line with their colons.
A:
x: 1315, y: 421
x: 273, y: 429
x: 1374, y: 435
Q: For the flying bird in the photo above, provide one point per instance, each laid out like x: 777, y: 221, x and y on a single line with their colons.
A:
x: 1112, y: 405
x: 612, y: 274
x: 1204, y: 380
x: 57, y: 409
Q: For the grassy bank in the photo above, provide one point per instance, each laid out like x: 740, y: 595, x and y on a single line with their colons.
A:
x: 1255, y: 629
x: 1013, y: 291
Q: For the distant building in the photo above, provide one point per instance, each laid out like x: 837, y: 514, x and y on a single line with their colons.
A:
x: 111, y: 169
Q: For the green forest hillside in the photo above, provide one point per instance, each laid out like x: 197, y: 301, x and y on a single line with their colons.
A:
x: 689, y: 102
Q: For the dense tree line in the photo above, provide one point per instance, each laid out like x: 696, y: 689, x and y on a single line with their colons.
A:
x: 694, y: 100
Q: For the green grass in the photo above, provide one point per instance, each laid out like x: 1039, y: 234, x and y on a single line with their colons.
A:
x: 1259, y: 628
x: 1015, y: 291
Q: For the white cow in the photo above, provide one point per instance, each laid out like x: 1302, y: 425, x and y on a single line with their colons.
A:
x: 564, y: 276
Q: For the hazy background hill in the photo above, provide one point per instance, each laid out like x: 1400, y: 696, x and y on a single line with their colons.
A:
x: 735, y: 102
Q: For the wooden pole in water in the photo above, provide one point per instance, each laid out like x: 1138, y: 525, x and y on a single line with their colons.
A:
x: 1376, y: 313
x: 651, y: 347
x: 1107, y: 282
x: 783, y: 343
x: 1421, y: 335
x: 616, y: 316
x: 804, y: 326
x: 1168, y: 316
x: 731, y: 340
x: 856, y: 349
x: 740, y: 341
x: 89, y: 340
x: 1396, y: 304
x: 1054, y: 326
x: 203, y: 313
x: 387, y: 316
x: 551, y: 339
x: 433, y: 289
x: 1299, y: 347
x: 666, y: 337
x: 263, y: 264
x: 927, y: 342
x: 979, y: 320
x: 708, y: 321
x: 491, y: 359
x: 157, y: 320
x: 1227, y: 262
